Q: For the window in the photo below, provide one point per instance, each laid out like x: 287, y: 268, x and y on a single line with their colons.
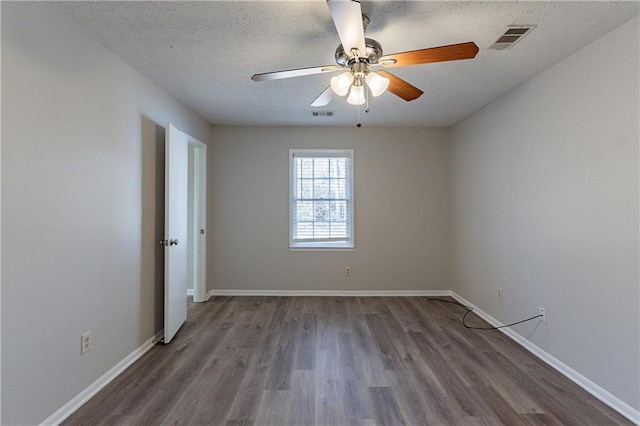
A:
x: 321, y: 198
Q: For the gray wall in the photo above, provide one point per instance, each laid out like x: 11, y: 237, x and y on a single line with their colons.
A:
x: 545, y: 205
x: 401, y: 211
x: 82, y: 136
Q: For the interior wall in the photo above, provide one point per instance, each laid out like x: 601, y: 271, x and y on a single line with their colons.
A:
x: 545, y: 205
x: 400, y: 207
x: 82, y: 188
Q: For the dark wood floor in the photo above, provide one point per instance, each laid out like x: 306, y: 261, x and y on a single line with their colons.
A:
x: 339, y: 361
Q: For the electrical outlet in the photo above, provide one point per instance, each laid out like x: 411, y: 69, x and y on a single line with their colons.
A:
x: 85, y: 343
x: 543, y: 312
x: 499, y: 293
x: 347, y: 271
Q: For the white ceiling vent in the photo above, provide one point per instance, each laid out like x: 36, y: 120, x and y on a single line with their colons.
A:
x: 512, y: 35
x: 322, y: 113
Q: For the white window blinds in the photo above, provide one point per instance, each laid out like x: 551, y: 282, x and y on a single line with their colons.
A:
x: 321, y: 198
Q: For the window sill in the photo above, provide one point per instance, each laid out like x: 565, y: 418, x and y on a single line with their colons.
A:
x: 321, y: 247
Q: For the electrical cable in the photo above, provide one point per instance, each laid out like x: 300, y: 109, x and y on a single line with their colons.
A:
x: 470, y: 309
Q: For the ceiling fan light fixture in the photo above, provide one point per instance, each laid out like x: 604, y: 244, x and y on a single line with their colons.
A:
x: 377, y: 83
x: 340, y: 84
x: 356, y: 95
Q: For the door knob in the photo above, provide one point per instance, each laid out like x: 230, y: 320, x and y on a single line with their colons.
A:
x: 173, y: 242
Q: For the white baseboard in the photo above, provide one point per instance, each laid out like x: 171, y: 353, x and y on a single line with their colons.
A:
x: 71, y: 406
x: 343, y: 293
x: 209, y: 295
x: 594, y: 389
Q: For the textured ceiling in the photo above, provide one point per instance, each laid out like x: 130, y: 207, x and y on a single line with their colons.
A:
x: 204, y: 53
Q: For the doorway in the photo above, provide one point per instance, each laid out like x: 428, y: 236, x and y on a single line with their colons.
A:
x: 196, y: 220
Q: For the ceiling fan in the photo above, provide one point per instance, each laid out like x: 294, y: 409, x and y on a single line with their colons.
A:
x: 357, y: 55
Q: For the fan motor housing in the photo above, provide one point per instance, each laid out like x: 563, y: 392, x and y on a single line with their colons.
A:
x: 373, y: 53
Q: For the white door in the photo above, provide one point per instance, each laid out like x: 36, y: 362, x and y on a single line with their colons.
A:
x: 175, y: 228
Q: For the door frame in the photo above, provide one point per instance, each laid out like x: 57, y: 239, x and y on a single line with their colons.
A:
x: 199, y: 239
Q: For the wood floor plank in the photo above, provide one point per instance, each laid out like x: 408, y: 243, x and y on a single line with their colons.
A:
x: 302, y: 399
x: 339, y: 361
x: 295, y: 309
x: 335, y: 314
x: 444, y: 393
x: 509, y: 382
x: 398, y: 308
x: 415, y: 406
x: 273, y: 408
x: 442, y: 314
x: 239, y: 423
x: 423, y: 308
x: 312, y: 305
x: 458, y: 394
x: 306, y: 347
x: 615, y: 417
x: 282, y: 364
x: 373, y: 305
x: 386, y: 409
x: 352, y: 383
x: 354, y: 310
x: 241, y: 330
x: 247, y: 399
x: 162, y: 403
x: 211, y: 395
x: 561, y: 397
x: 389, y: 353
x: 467, y: 360
x: 219, y: 395
x: 369, y: 355
x: 501, y: 408
x: 478, y: 421
x: 329, y: 406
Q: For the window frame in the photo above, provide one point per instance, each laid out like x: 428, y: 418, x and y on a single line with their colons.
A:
x: 325, y: 245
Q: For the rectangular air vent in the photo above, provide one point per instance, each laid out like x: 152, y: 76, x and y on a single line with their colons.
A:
x: 510, y: 36
x: 322, y: 113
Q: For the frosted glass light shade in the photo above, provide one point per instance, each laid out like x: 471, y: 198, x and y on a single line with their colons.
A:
x: 341, y: 83
x: 356, y: 95
x: 377, y: 83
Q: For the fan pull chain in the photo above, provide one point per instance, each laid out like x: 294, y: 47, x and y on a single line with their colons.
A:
x: 366, y: 94
x: 366, y: 97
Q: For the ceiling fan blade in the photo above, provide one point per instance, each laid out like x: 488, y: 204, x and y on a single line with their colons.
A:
x: 451, y: 52
x: 401, y: 88
x: 347, y: 17
x: 324, y: 98
x: 277, y: 75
